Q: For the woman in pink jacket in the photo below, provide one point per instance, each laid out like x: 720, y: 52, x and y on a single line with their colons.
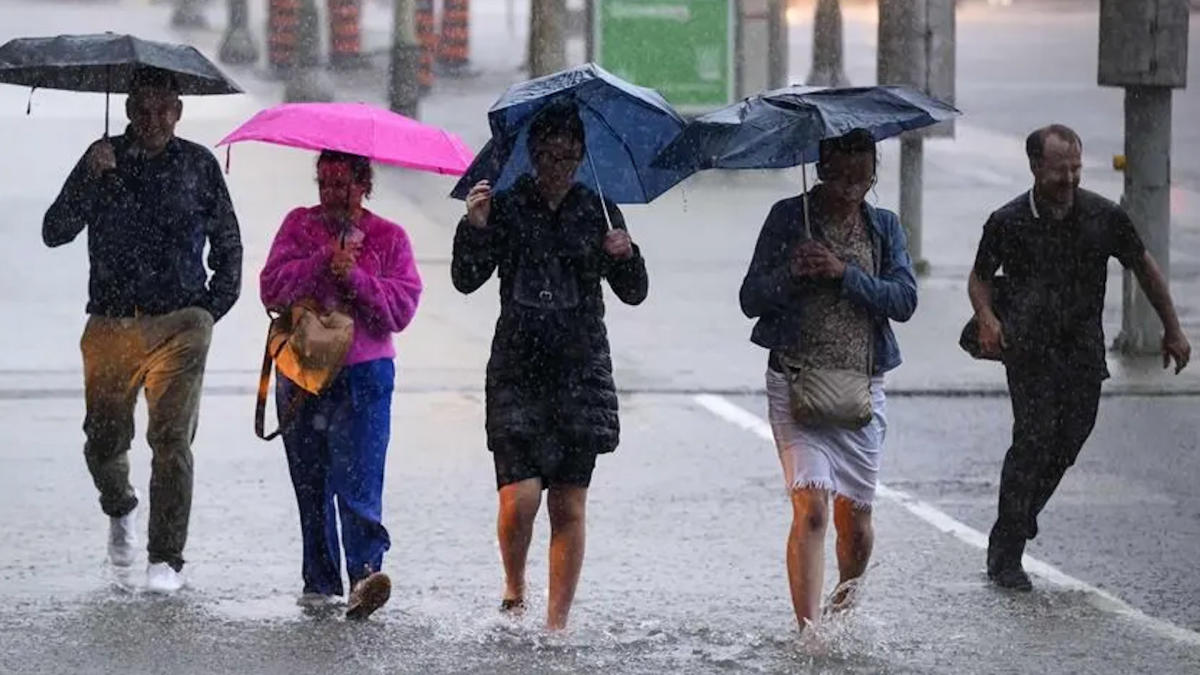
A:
x: 343, y: 256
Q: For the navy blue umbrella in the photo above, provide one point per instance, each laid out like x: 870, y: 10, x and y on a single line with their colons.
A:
x: 784, y: 128
x: 626, y: 128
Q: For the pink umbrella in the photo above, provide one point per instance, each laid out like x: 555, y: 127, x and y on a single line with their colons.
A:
x: 358, y: 129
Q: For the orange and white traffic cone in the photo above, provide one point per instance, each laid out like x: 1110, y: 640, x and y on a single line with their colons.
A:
x: 454, y: 48
x: 283, y: 34
x: 428, y: 39
x: 345, y: 39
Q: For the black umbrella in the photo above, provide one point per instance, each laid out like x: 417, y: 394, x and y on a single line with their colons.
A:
x: 105, y: 63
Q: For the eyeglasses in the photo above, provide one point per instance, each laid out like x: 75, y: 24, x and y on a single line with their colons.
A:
x: 558, y: 158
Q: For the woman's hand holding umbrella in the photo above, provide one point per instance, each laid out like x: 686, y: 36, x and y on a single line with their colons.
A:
x: 618, y: 244
x: 345, y: 255
x: 479, y: 204
x: 814, y: 260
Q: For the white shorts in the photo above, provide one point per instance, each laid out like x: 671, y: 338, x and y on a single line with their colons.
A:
x: 841, y: 461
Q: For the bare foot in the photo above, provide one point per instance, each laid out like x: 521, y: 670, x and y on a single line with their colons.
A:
x: 514, y: 607
x: 844, y: 596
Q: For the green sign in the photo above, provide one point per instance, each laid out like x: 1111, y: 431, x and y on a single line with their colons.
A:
x: 682, y: 48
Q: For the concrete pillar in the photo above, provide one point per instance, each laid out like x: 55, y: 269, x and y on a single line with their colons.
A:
x: 912, y: 182
x: 404, y: 87
x: 777, y: 44
x: 1148, y: 200
x: 827, y: 69
x: 305, y: 81
x: 188, y: 14
x: 547, y: 37
x: 237, y: 46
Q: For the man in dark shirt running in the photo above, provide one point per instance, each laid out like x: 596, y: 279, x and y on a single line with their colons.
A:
x: 1053, y: 244
x: 149, y: 202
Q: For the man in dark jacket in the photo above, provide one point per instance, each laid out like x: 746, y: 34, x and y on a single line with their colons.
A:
x: 1053, y: 243
x: 150, y: 202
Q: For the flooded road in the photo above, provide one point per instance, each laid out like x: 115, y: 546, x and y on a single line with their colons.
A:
x: 684, y: 570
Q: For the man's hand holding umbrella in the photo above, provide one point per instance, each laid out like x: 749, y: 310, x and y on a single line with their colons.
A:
x: 101, y: 158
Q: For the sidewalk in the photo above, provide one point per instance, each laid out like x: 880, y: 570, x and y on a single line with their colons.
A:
x: 697, y: 240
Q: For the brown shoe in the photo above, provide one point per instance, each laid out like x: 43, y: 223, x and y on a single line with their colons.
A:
x: 368, y: 595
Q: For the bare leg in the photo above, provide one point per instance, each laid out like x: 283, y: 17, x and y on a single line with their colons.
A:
x: 568, y: 516
x: 806, y: 552
x: 519, y: 503
x: 855, y: 539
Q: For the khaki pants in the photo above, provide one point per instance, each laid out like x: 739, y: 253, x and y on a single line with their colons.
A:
x: 164, y: 354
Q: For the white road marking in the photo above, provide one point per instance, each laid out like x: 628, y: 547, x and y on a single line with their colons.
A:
x: 740, y: 417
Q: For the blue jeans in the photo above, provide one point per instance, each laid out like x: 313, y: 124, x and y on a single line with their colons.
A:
x: 336, y: 449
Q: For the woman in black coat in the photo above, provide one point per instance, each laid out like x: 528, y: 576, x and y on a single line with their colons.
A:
x: 551, y: 400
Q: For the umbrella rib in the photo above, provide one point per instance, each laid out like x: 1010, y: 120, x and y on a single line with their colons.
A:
x: 624, y: 145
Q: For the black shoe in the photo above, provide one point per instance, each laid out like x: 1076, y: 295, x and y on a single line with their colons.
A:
x: 1012, y: 578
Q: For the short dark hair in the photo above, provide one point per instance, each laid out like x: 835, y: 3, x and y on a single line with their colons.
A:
x: 360, y: 167
x: 1035, y: 143
x: 146, y: 77
x: 559, y: 118
x: 855, y: 142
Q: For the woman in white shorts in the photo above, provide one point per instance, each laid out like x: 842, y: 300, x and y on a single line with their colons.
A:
x: 825, y: 301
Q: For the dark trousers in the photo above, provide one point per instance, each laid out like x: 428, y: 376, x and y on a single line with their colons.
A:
x: 1054, y: 410
x: 336, y: 451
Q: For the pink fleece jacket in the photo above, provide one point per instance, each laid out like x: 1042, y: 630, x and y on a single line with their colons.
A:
x: 382, y: 291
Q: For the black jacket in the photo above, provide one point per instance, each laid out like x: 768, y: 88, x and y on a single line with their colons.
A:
x: 550, y: 371
x: 148, y: 222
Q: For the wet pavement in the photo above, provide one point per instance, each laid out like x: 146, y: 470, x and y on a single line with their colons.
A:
x: 684, y: 572
x: 687, y: 520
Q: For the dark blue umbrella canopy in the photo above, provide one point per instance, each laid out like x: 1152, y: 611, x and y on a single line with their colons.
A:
x: 784, y: 128
x: 626, y: 127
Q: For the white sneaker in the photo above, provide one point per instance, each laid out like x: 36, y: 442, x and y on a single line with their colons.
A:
x: 122, y: 539
x: 163, y: 579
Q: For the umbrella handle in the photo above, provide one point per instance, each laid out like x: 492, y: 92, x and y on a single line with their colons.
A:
x: 599, y: 189
x: 804, y: 198
x: 107, y: 90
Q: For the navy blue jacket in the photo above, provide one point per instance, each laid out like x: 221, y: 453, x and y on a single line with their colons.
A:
x: 773, y: 296
x: 148, y: 222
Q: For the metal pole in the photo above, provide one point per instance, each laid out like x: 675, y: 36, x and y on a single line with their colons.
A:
x: 827, y: 68
x: 188, y: 15
x: 404, y: 89
x: 912, y: 167
x: 237, y: 46
x: 547, y: 37
x: 305, y: 81
x: 777, y: 44
x: 1148, y: 201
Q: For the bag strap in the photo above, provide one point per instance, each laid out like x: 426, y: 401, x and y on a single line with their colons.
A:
x: 876, y: 266
x: 289, y: 413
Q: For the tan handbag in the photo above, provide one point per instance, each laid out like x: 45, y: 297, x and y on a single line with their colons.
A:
x: 308, y: 346
x: 827, y: 396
